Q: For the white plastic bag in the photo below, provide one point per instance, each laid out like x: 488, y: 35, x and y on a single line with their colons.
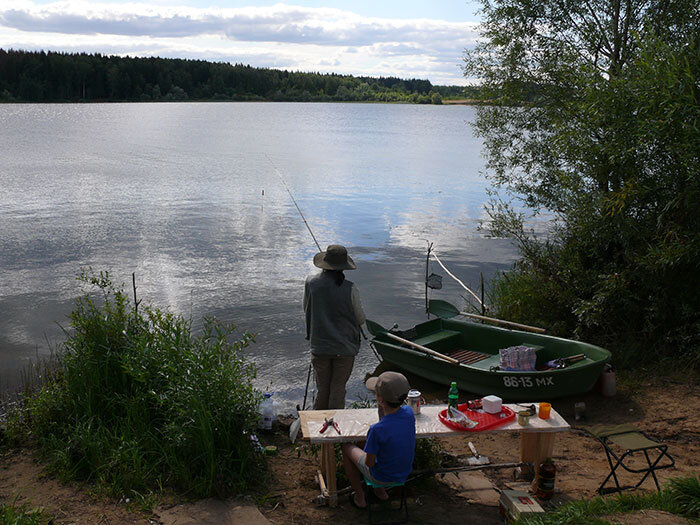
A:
x: 517, y: 358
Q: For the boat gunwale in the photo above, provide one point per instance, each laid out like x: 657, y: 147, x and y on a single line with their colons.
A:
x: 471, y: 368
x: 594, y: 362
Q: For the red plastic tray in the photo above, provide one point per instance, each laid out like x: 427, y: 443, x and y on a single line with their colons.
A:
x: 485, y: 420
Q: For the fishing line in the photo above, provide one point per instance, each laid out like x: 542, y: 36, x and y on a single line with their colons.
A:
x: 294, y: 201
x: 284, y: 182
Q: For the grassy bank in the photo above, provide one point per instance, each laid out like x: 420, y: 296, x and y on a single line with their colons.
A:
x: 12, y: 514
x: 138, y: 403
x: 681, y: 497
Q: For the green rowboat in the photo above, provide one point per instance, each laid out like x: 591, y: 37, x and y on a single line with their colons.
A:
x: 473, y: 350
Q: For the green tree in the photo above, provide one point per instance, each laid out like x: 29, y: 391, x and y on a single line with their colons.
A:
x: 342, y: 93
x: 596, y: 120
x: 176, y: 93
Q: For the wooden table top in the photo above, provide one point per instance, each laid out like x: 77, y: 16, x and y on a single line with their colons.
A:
x: 354, y: 424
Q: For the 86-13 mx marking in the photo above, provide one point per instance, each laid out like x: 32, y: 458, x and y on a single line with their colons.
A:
x: 527, y: 381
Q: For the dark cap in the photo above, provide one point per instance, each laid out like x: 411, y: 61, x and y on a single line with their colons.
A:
x: 391, y: 386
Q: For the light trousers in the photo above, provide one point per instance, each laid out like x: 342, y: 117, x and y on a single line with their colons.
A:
x: 331, y: 374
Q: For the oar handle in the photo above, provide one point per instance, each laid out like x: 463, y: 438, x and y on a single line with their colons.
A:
x: 422, y: 348
x: 505, y: 323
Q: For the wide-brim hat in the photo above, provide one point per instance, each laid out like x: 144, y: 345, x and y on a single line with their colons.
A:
x: 392, y: 386
x: 334, y: 258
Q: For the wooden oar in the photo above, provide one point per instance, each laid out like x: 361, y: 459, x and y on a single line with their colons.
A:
x: 376, y: 329
x: 445, y: 310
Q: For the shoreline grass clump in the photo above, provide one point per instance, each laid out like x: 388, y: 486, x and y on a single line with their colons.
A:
x: 680, y: 496
x: 140, y: 403
x: 15, y: 514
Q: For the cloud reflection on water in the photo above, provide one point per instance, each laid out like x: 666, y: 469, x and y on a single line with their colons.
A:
x: 174, y: 193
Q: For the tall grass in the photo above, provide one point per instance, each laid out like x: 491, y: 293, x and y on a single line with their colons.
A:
x: 13, y: 514
x: 140, y: 402
x: 686, y: 494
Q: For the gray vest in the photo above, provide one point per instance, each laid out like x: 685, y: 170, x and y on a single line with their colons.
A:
x: 331, y: 325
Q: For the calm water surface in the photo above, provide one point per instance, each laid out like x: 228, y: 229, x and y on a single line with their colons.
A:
x: 186, y: 196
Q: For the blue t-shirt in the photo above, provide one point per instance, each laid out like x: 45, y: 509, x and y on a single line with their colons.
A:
x: 393, y: 441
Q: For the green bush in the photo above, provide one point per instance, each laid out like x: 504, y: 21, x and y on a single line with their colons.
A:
x: 141, y: 403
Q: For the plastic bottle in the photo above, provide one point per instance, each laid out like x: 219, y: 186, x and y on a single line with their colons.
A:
x: 546, y: 474
x: 267, y: 412
x: 453, y: 395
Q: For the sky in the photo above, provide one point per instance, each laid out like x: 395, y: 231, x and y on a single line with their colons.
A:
x: 402, y: 38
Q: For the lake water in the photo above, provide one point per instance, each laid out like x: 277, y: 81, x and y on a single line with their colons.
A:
x: 186, y: 195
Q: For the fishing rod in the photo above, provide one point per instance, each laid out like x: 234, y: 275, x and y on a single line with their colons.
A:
x: 308, y: 227
x: 294, y: 201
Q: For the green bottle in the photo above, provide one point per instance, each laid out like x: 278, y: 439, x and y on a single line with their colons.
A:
x: 453, y: 395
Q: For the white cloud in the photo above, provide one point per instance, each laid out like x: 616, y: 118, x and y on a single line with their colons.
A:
x: 319, y: 39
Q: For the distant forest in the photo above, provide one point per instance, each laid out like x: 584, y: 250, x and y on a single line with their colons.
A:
x: 63, y: 77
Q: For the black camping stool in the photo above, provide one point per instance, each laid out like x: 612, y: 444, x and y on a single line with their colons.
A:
x: 630, y: 439
x: 402, y: 509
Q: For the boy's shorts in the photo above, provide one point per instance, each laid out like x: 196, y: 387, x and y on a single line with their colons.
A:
x: 364, y: 470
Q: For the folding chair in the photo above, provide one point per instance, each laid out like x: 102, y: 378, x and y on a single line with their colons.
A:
x: 630, y: 439
x: 402, y: 509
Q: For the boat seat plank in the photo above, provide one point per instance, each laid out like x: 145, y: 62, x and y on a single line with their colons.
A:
x: 434, y: 337
x: 467, y: 357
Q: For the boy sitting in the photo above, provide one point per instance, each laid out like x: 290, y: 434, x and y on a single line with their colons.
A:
x: 388, y: 454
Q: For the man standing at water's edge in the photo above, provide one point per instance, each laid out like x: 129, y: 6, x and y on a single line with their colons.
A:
x: 333, y: 318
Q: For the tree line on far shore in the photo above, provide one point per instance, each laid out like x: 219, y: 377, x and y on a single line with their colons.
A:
x: 29, y: 76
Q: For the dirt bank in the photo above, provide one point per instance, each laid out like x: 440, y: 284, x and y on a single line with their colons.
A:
x: 668, y: 410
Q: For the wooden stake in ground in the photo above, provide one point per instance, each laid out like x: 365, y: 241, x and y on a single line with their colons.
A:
x: 136, y: 303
